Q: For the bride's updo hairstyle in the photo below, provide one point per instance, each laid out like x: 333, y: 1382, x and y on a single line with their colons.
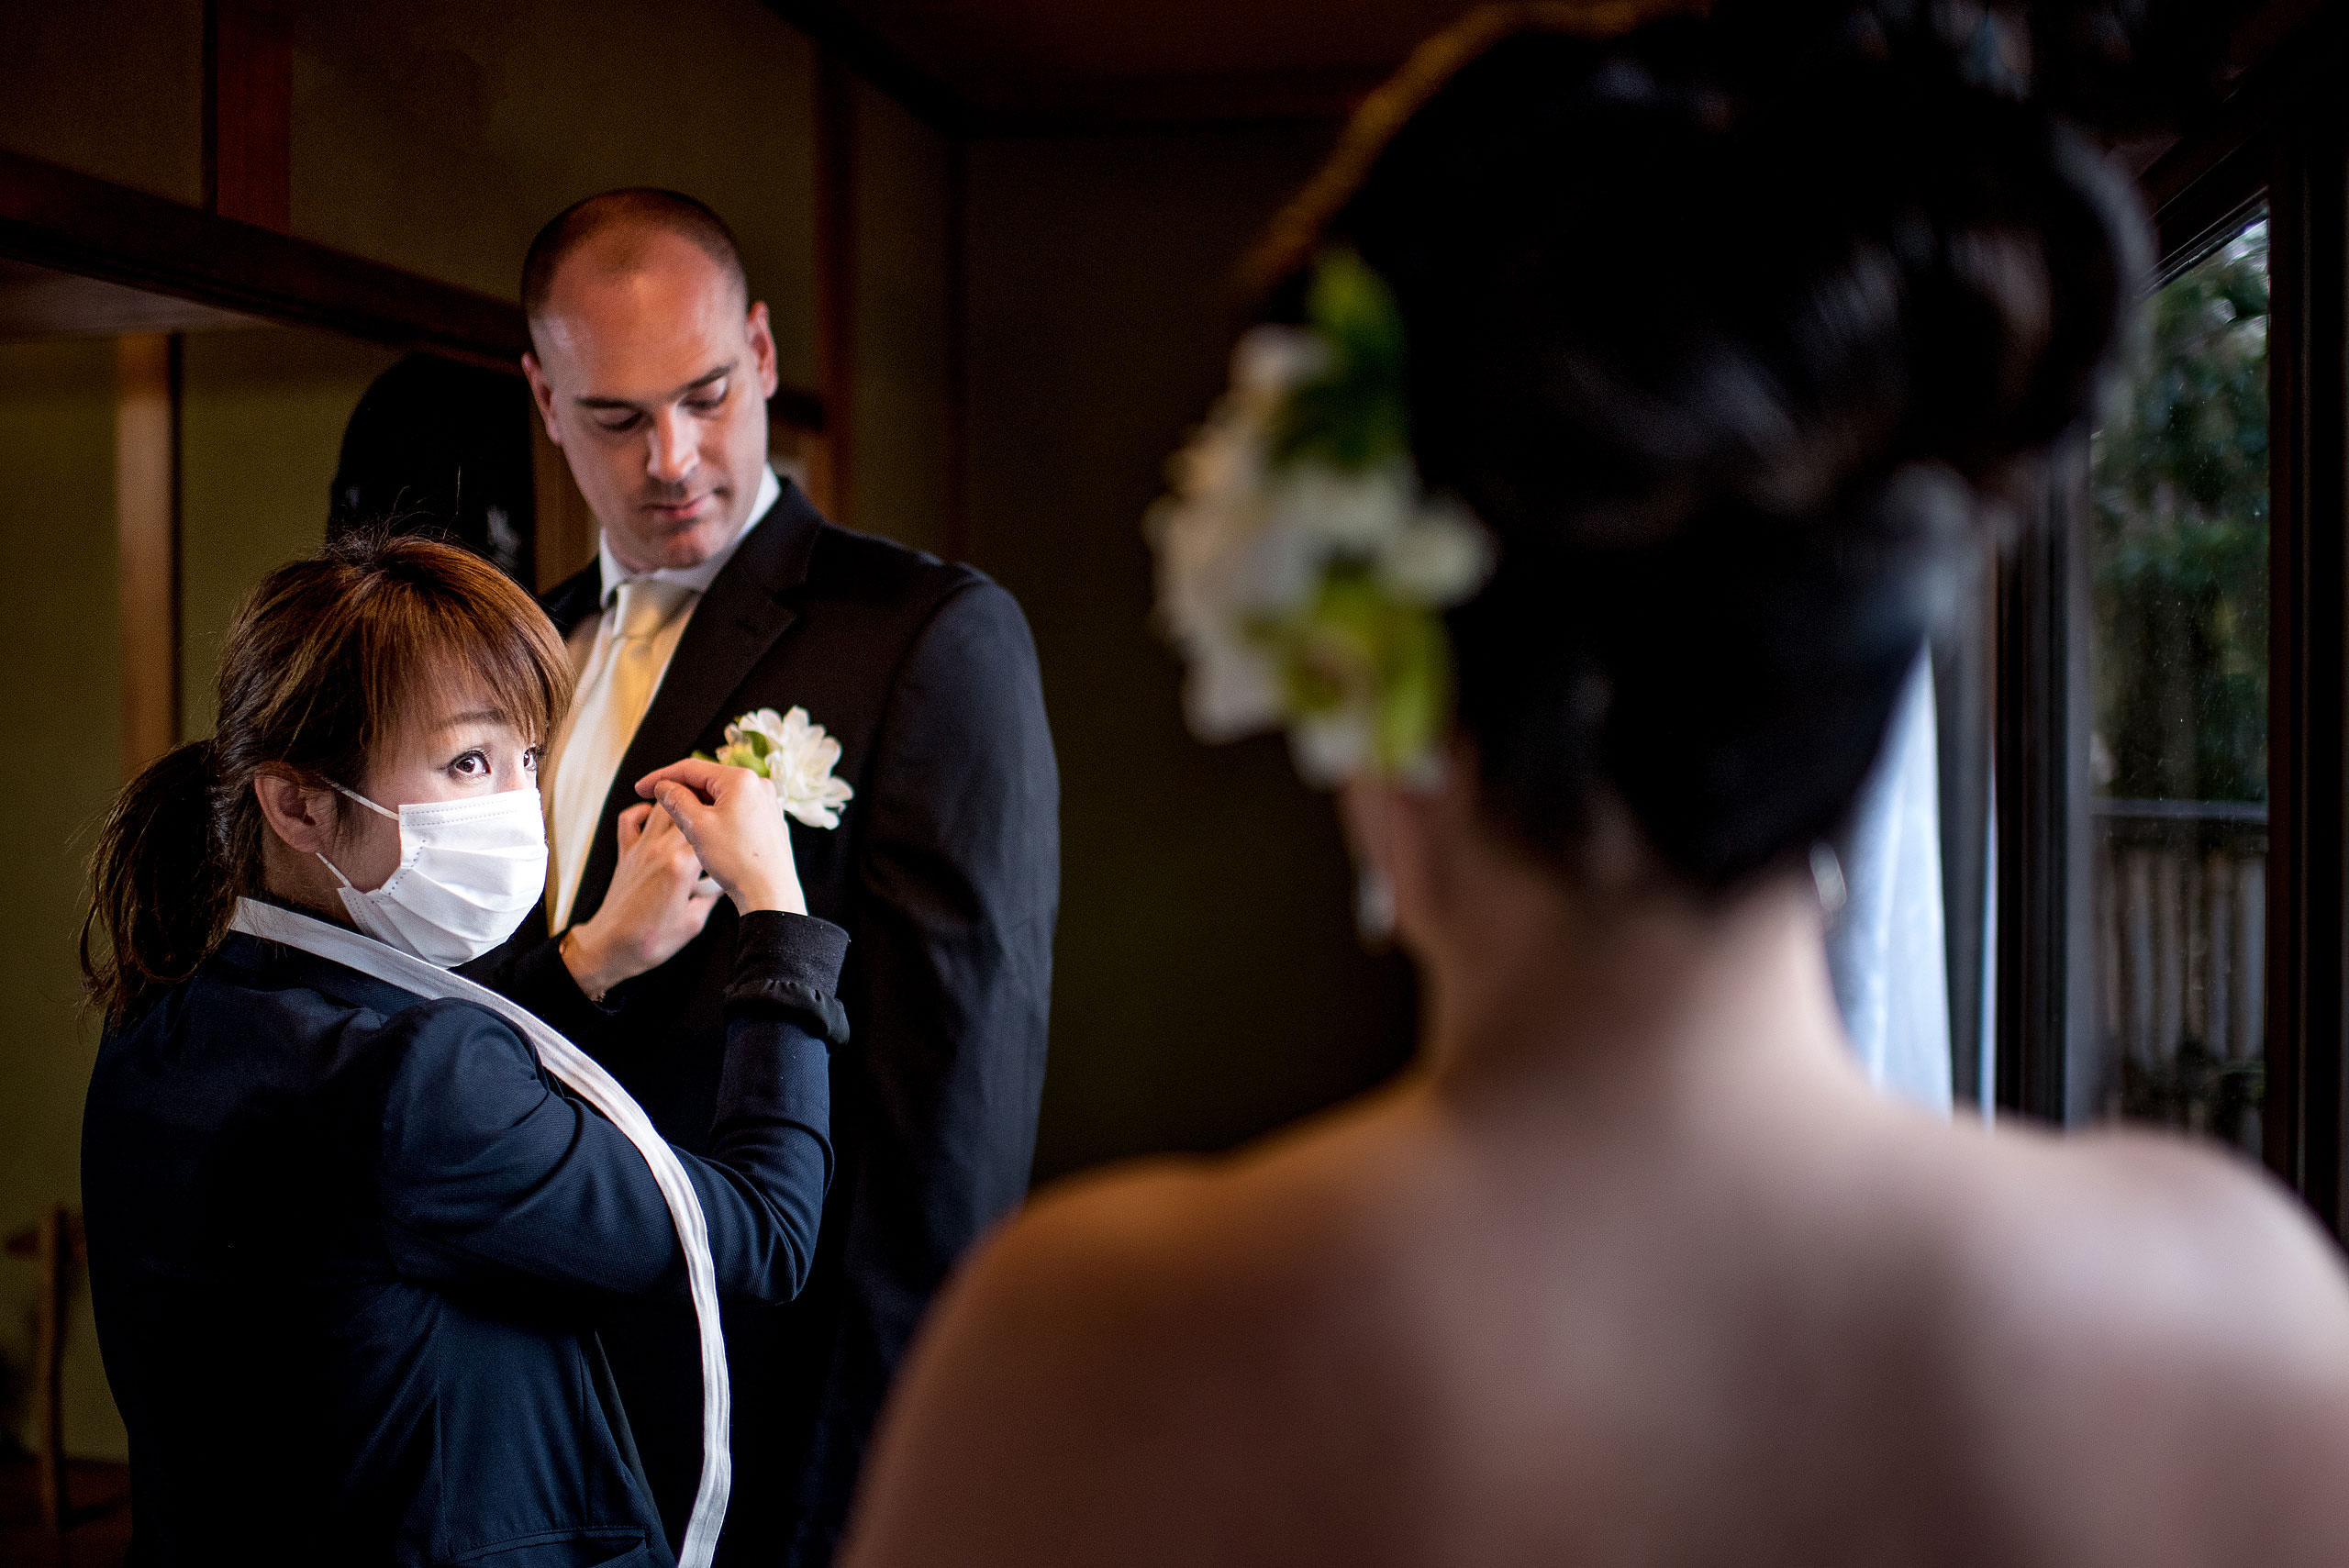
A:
x: 327, y: 658
x: 1731, y: 328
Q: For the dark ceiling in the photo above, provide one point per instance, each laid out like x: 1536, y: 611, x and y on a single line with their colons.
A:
x: 1008, y: 65
x: 1020, y: 63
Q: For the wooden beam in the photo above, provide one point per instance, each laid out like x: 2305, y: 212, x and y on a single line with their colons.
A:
x: 249, y: 113
x: 76, y: 224
x: 61, y: 219
x: 147, y: 560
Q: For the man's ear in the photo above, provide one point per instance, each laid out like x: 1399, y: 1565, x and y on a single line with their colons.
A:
x: 303, y: 818
x: 761, y: 335
x: 542, y: 395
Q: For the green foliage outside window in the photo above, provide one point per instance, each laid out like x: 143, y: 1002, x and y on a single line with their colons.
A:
x: 2180, y: 515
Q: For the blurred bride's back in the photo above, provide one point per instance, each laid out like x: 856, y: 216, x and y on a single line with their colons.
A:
x: 1730, y: 334
x: 1671, y: 1287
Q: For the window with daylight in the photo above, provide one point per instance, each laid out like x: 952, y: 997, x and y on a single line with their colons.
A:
x: 2176, y: 559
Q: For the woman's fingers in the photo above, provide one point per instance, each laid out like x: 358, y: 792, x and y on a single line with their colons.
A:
x: 703, y: 778
x: 679, y: 803
x: 631, y: 825
x: 735, y: 827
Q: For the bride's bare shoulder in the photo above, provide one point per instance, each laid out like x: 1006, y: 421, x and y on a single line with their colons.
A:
x: 2167, y: 1310
x: 1106, y: 1357
x: 2186, y: 1227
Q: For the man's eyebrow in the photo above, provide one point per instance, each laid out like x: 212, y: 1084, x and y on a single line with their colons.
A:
x: 699, y: 382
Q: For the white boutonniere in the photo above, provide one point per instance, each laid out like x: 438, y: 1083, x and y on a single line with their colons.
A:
x: 796, y: 756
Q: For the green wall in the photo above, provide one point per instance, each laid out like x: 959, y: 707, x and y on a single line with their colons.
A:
x: 1208, y: 984
x: 62, y: 748
x: 899, y: 478
x: 261, y: 424
x: 439, y: 135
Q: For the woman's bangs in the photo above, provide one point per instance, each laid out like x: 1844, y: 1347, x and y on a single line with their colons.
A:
x: 473, y: 645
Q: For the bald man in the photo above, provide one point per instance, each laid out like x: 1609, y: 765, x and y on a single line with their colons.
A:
x: 719, y: 589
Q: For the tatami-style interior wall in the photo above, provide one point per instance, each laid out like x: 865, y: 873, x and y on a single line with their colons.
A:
x: 62, y: 751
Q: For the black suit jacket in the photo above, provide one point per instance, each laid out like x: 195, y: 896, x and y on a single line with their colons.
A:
x: 945, y: 871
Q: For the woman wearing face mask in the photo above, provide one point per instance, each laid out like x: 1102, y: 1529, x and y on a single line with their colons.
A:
x: 348, y: 1231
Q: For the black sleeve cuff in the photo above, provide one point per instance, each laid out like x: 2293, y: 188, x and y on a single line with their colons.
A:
x: 542, y: 983
x: 789, y: 965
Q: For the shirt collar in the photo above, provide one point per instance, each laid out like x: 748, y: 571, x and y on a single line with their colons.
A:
x: 697, y: 578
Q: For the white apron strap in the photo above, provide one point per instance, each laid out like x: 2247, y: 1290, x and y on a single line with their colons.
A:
x: 588, y: 1078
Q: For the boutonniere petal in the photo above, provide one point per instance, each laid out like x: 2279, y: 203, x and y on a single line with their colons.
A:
x: 1303, y: 568
x: 795, y: 755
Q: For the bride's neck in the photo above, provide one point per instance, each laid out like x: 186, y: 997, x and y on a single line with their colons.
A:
x: 1531, y: 979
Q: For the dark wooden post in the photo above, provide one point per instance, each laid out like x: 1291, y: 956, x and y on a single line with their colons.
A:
x: 2307, y: 918
x: 249, y: 112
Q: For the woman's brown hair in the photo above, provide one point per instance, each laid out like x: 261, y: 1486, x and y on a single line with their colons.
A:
x: 324, y: 659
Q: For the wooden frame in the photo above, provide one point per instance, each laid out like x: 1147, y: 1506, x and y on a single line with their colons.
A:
x: 2309, y: 657
x: 2040, y: 886
x: 2282, y: 139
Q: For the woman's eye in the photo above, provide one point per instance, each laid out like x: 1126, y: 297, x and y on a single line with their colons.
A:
x: 531, y: 760
x: 471, y: 765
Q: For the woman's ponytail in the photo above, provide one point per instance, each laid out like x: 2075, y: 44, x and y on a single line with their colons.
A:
x: 160, y: 886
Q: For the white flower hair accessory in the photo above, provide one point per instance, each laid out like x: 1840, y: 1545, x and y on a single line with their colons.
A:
x: 1302, y: 570
x: 795, y: 755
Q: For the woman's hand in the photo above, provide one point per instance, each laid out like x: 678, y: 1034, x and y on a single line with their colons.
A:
x: 735, y: 824
x: 658, y: 902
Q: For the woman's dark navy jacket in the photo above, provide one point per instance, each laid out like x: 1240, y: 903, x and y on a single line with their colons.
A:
x: 348, y: 1249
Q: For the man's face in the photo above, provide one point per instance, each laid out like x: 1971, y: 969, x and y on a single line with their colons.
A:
x: 653, y: 379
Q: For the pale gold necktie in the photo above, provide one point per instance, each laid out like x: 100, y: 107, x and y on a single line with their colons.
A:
x: 610, y: 705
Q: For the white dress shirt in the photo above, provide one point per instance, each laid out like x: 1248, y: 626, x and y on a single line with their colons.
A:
x: 576, y: 807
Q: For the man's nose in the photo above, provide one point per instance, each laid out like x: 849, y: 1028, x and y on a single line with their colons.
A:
x: 673, y: 449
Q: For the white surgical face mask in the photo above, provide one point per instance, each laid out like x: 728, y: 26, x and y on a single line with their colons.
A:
x: 469, y: 871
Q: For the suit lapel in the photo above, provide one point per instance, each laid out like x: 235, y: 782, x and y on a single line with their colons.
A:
x: 746, y: 610
x: 570, y: 600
